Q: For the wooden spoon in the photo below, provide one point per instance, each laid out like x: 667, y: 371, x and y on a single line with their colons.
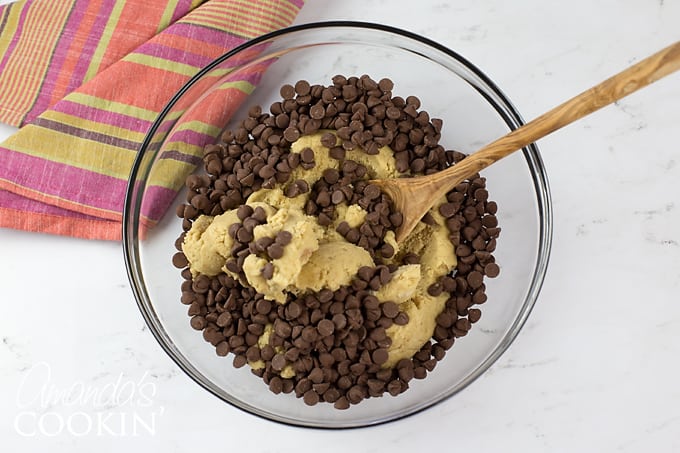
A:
x: 413, y: 197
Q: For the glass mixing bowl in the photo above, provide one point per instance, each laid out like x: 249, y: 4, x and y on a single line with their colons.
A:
x: 474, y: 112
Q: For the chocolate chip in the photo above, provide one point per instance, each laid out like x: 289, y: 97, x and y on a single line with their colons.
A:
x: 268, y: 271
x: 243, y: 235
x: 275, y: 251
x: 244, y: 211
x: 309, y: 334
x: 353, y: 235
x: 291, y: 134
x: 325, y: 295
x: 317, y: 111
x: 401, y: 319
x: 435, y: 289
x: 222, y: 349
x: 492, y: 270
x: 302, y: 87
x: 475, y: 279
x: 343, y: 228
x: 284, y: 238
x: 179, y: 260
x: 342, y: 403
x: 405, y: 371
x: 380, y: 356
x: 302, y: 186
x: 365, y: 273
x: 337, y: 152
x: 390, y: 309
x: 463, y: 325
x: 474, y: 315
x: 307, y: 155
x: 372, y: 191
x: 337, y: 197
x: 324, y: 219
x: 448, y: 209
x: 292, y: 191
x: 328, y: 140
x: 239, y: 361
x: 198, y: 322
x: 385, y: 85
x: 387, y: 250
x: 287, y: 91
x: 279, y: 362
x: 250, y: 223
x: 325, y: 327
x: 311, y: 398
x: 259, y: 215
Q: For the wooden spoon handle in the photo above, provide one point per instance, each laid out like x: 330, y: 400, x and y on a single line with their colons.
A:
x: 616, y: 87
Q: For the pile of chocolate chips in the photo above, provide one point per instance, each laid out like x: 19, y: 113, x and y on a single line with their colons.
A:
x: 335, y: 342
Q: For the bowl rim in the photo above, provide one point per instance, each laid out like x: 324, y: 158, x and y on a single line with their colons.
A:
x: 130, y: 220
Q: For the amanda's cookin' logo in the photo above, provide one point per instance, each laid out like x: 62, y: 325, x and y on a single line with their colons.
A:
x: 117, y: 406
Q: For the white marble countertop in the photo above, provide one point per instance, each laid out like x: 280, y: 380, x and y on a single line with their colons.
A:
x: 596, y: 368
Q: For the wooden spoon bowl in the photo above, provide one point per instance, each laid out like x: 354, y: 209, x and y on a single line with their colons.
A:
x: 413, y: 197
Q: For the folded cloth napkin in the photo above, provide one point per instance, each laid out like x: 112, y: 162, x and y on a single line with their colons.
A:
x: 84, y: 80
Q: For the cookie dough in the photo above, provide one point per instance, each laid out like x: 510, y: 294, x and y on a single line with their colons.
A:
x: 318, y: 257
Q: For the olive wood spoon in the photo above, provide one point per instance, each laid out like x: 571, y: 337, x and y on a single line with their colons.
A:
x: 413, y: 197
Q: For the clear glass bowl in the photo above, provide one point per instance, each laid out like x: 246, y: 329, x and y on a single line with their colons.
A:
x: 474, y: 111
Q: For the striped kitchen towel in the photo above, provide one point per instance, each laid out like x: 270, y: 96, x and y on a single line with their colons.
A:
x: 84, y: 80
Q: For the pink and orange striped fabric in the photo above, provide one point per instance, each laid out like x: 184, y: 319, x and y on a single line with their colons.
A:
x: 84, y: 80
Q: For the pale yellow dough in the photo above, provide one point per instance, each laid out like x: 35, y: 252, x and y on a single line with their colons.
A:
x: 437, y: 258
x: 306, y: 235
x: 207, y: 244
x: 333, y: 265
x: 319, y: 257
